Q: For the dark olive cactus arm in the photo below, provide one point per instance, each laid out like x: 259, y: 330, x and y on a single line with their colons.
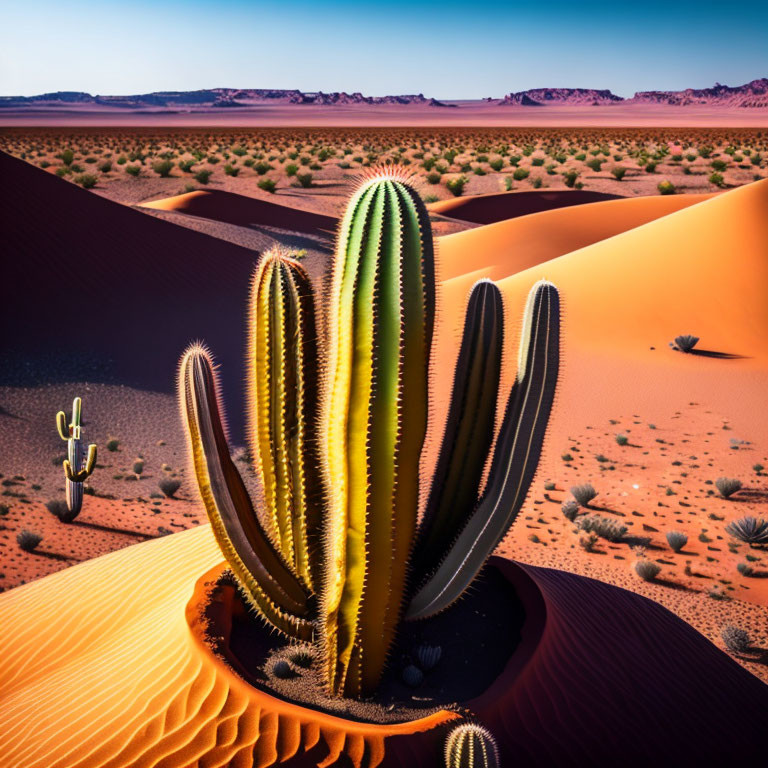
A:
x: 515, y: 458
x: 268, y: 581
x: 469, y: 429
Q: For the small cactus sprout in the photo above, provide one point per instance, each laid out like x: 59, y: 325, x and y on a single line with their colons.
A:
x: 676, y: 540
x: 80, y: 461
x: 583, y: 494
x: 570, y: 508
x: 412, y: 676
x: 736, y: 639
x: 427, y: 656
x: 471, y: 746
x: 727, y: 486
x: 684, y: 343
x: 647, y: 570
x: 750, y: 530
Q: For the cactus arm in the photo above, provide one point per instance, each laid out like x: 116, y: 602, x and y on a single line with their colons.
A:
x: 283, y: 397
x: 469, y: 428
x: 90, y: 461
x: 61, y: 425
x: 515, y: 458
x: 268, y: 581
x: 82, y: 474
x: 77, y: 407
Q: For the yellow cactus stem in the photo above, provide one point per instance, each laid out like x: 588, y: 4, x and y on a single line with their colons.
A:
x: 83, y: 474
x: 282, y: 377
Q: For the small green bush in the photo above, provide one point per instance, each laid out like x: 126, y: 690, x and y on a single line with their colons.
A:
x: 520, y: 174
x: 28, y: 540
x: 622, y: 439
x: 676, y: 540
x: 86, y: 180
x: 433, y: 177
x: 163, y: 168
x: 618, y: 172
x: 583, y: 493
x: 727, y: 486
x: 569, y: 177
x: 666, y: 188
x: 304, y: 179
x: 647, y: 570
x: 202, y: 177
x: 456, y: 186
x: 268, y: 185
x: 231, y: 170
x: 133, y: 170
x: 716, y: 179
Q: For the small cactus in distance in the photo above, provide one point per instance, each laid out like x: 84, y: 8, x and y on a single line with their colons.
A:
x: 80, y: 461
x: 471, y: 746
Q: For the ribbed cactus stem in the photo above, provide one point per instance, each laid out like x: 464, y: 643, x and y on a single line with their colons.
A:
x: 80, y: 461
x: 515, y: 458
x: 283, y: 397
x: 471, y: 746
x: 382, y: 316
x: 267, y: 579
x: 469, y: 428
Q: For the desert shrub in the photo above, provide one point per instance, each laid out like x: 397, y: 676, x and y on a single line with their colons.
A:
x: 618, y: 172
x: 666, y: 188
x: 138, y: 467
x: 583, y: 493
x: 133, y: 170
x: 433, y: 177
x: 169, y: 486
x: 537, y: 161
x: 28, y: 540
x: 113, y: 444
x: 478, y: 171
x: 59, y: 509
x: 268, y: 185
x: 202, y: 177
x: 231, y: 170
x: 514, y: 159
x: 650, y: 167
x: 569, y: 177
x: 727, y: 486
x: 186, y: 165
x: 508, y: 183
x: 758, y: 468
x: 430, y: 198
x: 581, y: 157
x: 744, y: 569
x: 291, y: 169
x: 749, y: 530
x: 497, y: 164
x: 676, y: 540
x: 212, y: 159
x: 67, y: 156
x: 106, y: 166
x: 594, y: 164
x: 603, y: 527
x: 719, y: 165
x: 75, y: 168
x: 261, y: 168
x: 520, y: 174
x: 735, y: 639
x: 622, y: 439
x: 163, y: 168
x: 428, y: 163
x: 63, y: 171
x: 716, y: 179
x: 86, y: 180
x: 304, y: 179
x: 647, y: 570
x: 570, y: 509
x: 537, y: 182
x: 685, y: 342
x: 456, y: 186
x: 588, y: 543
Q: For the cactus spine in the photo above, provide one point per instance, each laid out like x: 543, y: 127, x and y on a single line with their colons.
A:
x: 381, y: 331
x: 283, y: 396
x: 471, y: 746
x: 80, y: 461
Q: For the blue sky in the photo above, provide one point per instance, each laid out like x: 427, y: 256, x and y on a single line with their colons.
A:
x: 446, y: 49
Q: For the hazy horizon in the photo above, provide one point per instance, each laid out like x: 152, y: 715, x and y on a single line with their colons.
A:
x: 440, y: 49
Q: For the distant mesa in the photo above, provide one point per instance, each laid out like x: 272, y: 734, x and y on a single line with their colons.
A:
x: 212, y: 98
x: 750, y: 95
x: 537, y: 97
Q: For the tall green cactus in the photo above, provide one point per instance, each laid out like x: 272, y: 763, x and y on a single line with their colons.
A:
x: 80, y: 462
x: 330, y: 556
x: 471, y: 746
x: 382, y: 315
